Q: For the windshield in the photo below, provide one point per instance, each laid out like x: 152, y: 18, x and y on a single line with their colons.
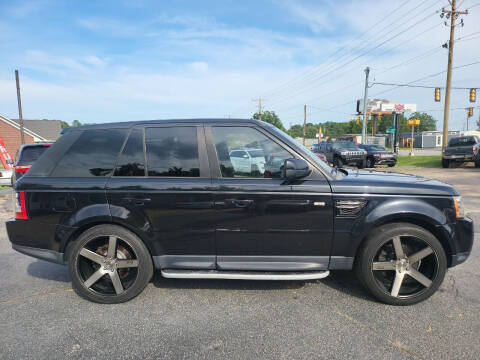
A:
x: 30, y: 154
x: 462, y: 141
x: 376, y: 148
x: 344, y: 145
x: 312, y: 156
x: 256, y: 153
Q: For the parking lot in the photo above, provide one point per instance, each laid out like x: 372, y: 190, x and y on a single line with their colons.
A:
x: 41, y: 317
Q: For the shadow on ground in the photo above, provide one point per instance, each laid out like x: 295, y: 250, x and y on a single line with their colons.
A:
x: 48, y: 271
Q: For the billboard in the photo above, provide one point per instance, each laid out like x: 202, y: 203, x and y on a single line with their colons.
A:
x: 385, y: 106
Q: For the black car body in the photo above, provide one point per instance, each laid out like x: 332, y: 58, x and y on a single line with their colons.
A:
x: 378, y: 155
x: 124, y: 198
x: 342, y: 153
x: 26, y: 156
x: 462, y: 149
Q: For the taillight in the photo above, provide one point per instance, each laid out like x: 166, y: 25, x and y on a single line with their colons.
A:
x: 22, y: 168
x: 20, y: 206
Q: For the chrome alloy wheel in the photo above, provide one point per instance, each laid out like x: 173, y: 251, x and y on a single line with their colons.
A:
x: 405, y: 266
x: 107, y: 265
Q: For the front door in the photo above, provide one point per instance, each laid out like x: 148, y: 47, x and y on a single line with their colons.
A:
x: 262, y: 223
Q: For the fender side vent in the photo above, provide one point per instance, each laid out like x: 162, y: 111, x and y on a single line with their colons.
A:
x: 350, y: 207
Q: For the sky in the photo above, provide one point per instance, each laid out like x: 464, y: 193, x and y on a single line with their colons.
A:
x: 119, y: 60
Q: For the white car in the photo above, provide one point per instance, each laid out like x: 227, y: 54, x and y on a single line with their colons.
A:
x: 6, y: 177
x: 248, y: 160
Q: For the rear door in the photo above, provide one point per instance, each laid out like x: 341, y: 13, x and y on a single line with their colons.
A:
x: 263, y: 223
x: 161, y: 188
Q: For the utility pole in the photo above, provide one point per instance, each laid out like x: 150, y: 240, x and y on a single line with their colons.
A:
x: 260, y: 106
x: 365, y: 107
x: 19, y: 100
x: 304, y: 123
x: 453, y: 14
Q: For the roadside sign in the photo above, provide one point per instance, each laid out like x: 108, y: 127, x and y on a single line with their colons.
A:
x: 399, y: 108
x: 390, y: 130
x: 413, y: 122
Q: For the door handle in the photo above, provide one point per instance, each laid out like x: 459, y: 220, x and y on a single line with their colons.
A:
x: 136, y: 201
x: 242, y: 203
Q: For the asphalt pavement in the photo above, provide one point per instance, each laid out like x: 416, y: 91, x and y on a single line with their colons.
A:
x: 333, y: 318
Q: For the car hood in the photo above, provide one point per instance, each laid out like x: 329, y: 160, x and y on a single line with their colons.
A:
x: 375, y: 182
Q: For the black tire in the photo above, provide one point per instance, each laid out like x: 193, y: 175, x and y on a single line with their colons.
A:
x: 362, y: 165
x: 391, y: 165
x: 370, y: 162
x: 338, y: 162
x: 445, y: 163
x: 380, y: 278
x: 477, y: 164
x: 134, y: 271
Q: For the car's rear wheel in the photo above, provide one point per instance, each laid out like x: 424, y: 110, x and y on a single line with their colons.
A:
x: 109, y: 264
x: 445, y: 163
x: 370, y: 162
x: 401, y: 264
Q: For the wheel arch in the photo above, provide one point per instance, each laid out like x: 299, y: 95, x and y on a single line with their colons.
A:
x: 436, y: 230
x: 66, y: 246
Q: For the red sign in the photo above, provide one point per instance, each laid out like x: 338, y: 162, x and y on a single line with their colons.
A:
x: 5, y: 156
x: 399, y: 106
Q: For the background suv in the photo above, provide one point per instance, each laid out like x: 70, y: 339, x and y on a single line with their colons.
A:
x: 462, y: 149
x: 26, y: 156
x: 378, y: 155
x: 341, y: 153
x: 115, y: 201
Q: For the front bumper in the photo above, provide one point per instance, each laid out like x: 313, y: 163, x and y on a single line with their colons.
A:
x: 352, y: 159
x: 385, y: 161
x: 462, y: 233
x: 467, y: 157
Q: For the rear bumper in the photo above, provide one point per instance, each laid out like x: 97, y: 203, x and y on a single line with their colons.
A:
x: 43, y: 254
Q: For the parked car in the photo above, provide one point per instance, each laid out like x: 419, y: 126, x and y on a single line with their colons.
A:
x: 462, y: 149
x: 26, y: 156
x: 378, y: 155
x: 315, y: 148
x: 6, y: 177
x: 116, y: 201
x: 247, y: 159
x: 341, y: 153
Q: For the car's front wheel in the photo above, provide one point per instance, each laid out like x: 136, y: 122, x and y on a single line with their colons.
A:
x: 401, y: 264
x: 445, y: 163
x: 109, y: 264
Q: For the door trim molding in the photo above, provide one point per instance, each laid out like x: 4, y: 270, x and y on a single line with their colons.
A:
x: 272, y: 263
x: 204, y: 262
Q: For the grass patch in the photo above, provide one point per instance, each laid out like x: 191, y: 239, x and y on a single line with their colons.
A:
x: 434, y: 161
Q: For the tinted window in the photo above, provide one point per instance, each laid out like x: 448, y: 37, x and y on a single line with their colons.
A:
x: 30, y: 154
x: 131, y: 162
x: 376, y: 148
x: 462, y: 141
x: 344, y: 145
x: 268, y: 159
x: 93, y: 154
x: 172, y: 151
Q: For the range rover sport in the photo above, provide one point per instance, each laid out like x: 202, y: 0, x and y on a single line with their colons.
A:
x: 116, y: 201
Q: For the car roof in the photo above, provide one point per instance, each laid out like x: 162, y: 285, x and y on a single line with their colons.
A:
x: 128, y: 124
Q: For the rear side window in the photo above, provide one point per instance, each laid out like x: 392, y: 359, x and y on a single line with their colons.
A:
x: 132, y: 160
x: 172, y: 151
x: 30, y: 154
x: 93, y: 154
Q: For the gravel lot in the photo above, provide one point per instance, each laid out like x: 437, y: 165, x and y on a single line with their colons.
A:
x: 42, y: 318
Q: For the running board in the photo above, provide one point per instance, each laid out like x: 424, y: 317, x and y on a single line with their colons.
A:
x: 243, y: 275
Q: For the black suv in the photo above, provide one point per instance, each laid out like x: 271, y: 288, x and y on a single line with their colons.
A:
x: 340, y: 153
x: 378, y: 155
x: 26, y: 156
x: 117, y: 201
x: 462, y: 149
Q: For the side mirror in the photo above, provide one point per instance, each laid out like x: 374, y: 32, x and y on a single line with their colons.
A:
x: 295, y: 169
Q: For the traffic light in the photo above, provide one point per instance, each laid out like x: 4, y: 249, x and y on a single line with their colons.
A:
x: 437, y: 94
x: 473, y: 95
x: 358, y: 120
x: 470, y: 111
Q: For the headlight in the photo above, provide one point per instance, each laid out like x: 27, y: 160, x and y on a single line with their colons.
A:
x: 459, y: 211
x: 344, y: 153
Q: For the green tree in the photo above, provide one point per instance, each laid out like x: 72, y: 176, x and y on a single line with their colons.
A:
x: 427, y: 122
x: 75, y: 123
x: 271, y: 118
